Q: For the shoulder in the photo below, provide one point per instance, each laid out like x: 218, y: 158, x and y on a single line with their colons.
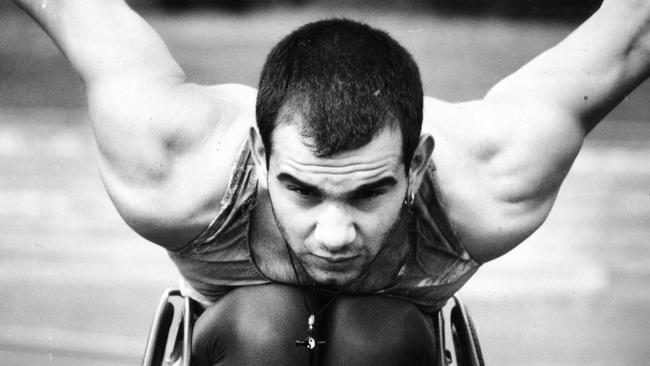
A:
x: 242, y: 96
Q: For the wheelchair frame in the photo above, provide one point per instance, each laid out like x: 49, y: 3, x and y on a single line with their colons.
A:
x: 170, y: 337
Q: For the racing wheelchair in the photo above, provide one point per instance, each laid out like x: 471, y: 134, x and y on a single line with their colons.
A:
x: 170, y: 337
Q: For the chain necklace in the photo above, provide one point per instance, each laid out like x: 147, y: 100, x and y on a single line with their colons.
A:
x: 310, y: 341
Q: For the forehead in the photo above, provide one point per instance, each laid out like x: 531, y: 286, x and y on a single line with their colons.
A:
x: 380, y: 158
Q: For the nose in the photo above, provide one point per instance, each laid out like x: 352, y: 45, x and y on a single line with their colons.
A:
x: 335, y: 229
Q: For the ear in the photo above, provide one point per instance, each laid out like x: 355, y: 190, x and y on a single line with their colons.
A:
x: 258, y: 153
x: 420, y: 161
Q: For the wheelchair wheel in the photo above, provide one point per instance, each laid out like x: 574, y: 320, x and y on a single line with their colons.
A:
x: 465, y: 339
x: 170, y: 338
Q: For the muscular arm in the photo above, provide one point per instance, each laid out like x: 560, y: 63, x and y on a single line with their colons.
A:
x: 592, y: 70
x: 154, y: 130
x: 501, y: 160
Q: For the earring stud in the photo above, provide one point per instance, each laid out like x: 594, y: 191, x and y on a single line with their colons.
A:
x: 409, y: 200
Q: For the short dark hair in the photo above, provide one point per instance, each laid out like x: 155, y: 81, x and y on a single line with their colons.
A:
x: 347, y: 81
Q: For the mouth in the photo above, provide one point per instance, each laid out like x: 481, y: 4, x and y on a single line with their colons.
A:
x: 336, y: 262
x: 334, y: 270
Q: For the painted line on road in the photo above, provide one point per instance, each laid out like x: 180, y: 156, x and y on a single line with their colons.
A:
x: 71, y: 342
x: 531, y: 273
x: 75, y: 274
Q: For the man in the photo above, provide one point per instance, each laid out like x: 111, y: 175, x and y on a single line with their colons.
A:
x: 337, y: 203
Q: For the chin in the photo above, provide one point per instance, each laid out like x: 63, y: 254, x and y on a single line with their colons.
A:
x: 334, y: 279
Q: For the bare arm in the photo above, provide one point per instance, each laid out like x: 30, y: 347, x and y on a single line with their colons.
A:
x: 592, y: 70
x: 103, y: 38
x: 501, y: 160
x: 164, y: 144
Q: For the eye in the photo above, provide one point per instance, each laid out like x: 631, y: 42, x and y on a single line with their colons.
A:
x: 303, y: 192
x: 368, y: 195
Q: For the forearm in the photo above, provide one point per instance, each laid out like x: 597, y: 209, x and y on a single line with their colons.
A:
x: 593, y: 69
x: 103, y: 38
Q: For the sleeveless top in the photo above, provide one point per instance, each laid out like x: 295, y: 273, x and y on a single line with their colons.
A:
x: 220, y: 258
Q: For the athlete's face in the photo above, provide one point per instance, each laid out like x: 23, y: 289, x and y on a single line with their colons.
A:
x: 335, y: 213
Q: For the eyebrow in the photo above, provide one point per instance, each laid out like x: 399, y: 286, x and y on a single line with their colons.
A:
x: 385, y: 182
x: 290, y: 179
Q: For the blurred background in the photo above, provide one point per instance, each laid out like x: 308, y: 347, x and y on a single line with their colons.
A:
x: 79, y: 288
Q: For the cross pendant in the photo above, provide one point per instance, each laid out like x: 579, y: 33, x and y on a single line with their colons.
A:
x: 310, y: 342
